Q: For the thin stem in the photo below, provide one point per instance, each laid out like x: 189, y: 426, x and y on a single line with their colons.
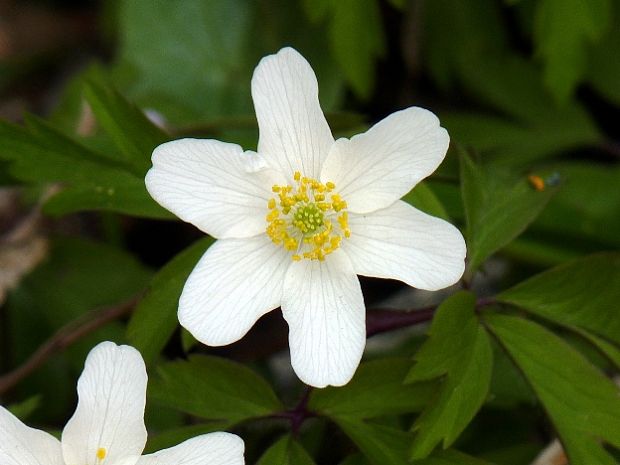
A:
x: 384, y: 320
x: 298, y: 414
x: 65, y: 337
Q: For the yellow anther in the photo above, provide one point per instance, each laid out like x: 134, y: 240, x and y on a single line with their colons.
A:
x: 272, y: 215
x: 300, y: 218
x: 101, y: 453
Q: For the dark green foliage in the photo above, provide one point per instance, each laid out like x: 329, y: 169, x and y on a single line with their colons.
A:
x: 529, y: 92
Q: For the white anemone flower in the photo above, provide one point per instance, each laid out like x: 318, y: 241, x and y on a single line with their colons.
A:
x: 107, y: 427
x: 299, y: 220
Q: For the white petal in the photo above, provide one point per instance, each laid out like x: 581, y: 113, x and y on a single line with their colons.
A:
x: 21, y: 445
x: 293, y: 132
x: 110, y: 411
x: 374, y: 169
x: 324, y: 308
x: 213, y: 185
x: 401, y: 242
x: 235, y: 282
x: 208, y: 449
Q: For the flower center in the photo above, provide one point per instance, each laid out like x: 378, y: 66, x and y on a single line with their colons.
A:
x: 307, y: 218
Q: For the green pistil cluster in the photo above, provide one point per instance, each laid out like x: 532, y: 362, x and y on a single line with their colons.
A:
x: 308, y: 218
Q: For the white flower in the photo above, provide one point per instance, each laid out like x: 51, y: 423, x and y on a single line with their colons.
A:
x: 107, y: 427
x: 300, y: 219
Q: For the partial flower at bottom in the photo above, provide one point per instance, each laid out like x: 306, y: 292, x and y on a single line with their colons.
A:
x: 107, y: 427
x: 301, y: 218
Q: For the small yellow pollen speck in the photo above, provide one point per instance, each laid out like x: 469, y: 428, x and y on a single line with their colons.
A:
x: 536, y: 182
x: 101, y: 453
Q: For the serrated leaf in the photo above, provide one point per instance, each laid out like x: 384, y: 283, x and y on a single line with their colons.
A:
x: 214, y: 388
x: 376, y: 389
x: 563, y: 30
x: 155, y: 317
x: 582, y: 293
x: 459, y: 349
x: 285, y: 451
x: 41, y: 154
x: 583, y: 405
x: 126, y: 124
x: 423, y: 198
x: 497, y: 209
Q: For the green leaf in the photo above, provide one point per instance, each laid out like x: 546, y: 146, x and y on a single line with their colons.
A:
x: 611, y: 351
x: 286, y: 451
x: 531, y: 124
x: 563, y: 30
x: 583, y: 405
x: 497, y: 209
x: 376, y: 389
x: 126, y: 124
x: 604, y: 67
x: 24, y: 409
x: 582, y: 293
x: 476, y: 33
x: 423, y: 198
x: 41, y: 154
x: 585, y: 208
x: 176, y: 436
x: 189, y: 60
x: 381, y: 445
x: 155, y: 318
x: 459, y: 349
x: 355, y: 25
x: 214, y: 388
x: 384, y: 445
x: 450, y: 457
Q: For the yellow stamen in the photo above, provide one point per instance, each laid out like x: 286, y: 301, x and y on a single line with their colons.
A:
x: 101, y: 453
x: 300, y: 218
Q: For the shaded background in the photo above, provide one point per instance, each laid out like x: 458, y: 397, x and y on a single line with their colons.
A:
x: 527, y: 87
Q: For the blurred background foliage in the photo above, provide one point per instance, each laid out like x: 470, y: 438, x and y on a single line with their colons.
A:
x: 529, y: 91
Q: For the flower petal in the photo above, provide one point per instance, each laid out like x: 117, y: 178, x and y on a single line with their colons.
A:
x: 109, y: 419
x: 293, y: 132
x: 401, y: 242
x: 374, y: 169
x: 324, y: 308
x: 22, y: 445
x: 213, y: 185
x: 235, y: 282
x: 208, y: 449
